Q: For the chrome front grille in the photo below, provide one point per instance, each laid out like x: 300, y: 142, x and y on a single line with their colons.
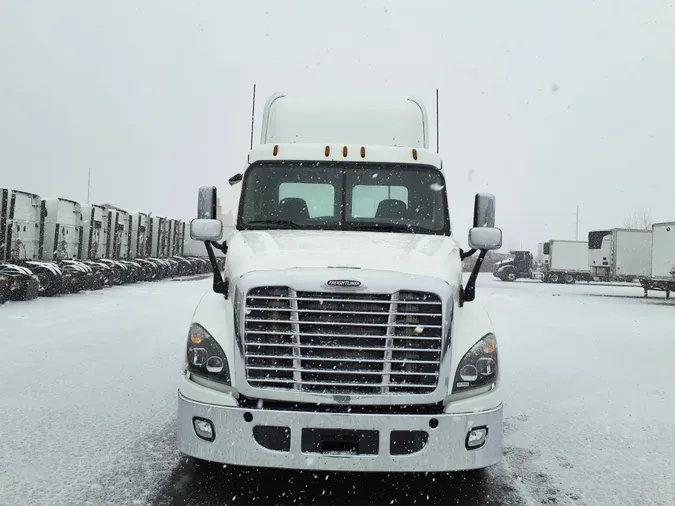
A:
x: 342, y: 343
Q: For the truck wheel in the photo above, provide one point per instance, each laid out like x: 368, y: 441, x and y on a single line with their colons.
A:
x: 50, y: 284
x: 554, y: 278
x: 511, y: 276
x: 569, y: 279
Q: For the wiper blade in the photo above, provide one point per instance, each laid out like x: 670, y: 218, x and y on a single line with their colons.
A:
x: 279, y: 223
x: 380, y: 226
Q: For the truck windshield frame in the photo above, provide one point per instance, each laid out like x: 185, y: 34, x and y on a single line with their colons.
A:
x: 353, y: 196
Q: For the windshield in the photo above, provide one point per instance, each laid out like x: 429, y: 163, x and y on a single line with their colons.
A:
x: 351, y: 196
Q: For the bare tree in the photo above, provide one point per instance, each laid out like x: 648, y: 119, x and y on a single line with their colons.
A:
x: 641, y: 220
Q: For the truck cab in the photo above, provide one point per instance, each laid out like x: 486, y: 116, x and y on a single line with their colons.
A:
x: 340, y: 334
x: 519, y: 265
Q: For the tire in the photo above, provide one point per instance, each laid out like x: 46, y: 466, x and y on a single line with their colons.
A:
x: 511, y: 276
x: 554, y: 278
x: 569, y: 279
x: 50, y: 283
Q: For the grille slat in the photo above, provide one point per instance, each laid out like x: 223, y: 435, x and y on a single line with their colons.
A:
x: 329, y: 299
x: 293, y: 341
x: 359, y: 324
x: 352, y: 312
x: 338, y: 359
x: 346, y: 348
x: 345, y: 336
x: 337, y: 371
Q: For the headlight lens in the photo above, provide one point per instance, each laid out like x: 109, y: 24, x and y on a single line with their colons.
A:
x: 479, y: 366
x: 205, y: 357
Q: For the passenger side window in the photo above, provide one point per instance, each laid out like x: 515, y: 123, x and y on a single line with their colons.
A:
x: 320, y: 198
x: 367, y: 198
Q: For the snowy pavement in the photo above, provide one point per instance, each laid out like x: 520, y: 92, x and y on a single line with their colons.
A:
x: 87, y: 405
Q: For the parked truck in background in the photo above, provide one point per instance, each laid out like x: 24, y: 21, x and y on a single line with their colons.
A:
x: 340, y: 335
x: 662, y: 276
x: 519, y: 265
x: 21, y: 246
x: 565, y: 261
x: 50, y: 246
x: 620, y: 254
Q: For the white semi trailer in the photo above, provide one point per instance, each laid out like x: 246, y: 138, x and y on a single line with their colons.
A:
x: 565, y: 261
x: 340, y: 335
x: 620, y: 254
x: 662, y: 259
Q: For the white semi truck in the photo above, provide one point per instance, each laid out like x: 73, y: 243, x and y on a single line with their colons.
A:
x: 620, y: 254
x: 565, y: 261
x: 340, y: 334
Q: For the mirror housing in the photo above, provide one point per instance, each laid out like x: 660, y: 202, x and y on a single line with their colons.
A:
x: 235, y: 179
x: 485, y: 238
x: 206, y: 230
x: 207, y: 202
x: 484, y: 210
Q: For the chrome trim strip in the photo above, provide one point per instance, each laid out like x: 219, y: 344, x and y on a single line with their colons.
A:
x: 389, y: 344
x: 295, y: 329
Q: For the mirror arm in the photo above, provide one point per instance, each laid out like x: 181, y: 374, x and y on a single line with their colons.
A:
x: 222, y: 246
x: 463, y: 255
x: 219, y: 284
x: 470, y: 288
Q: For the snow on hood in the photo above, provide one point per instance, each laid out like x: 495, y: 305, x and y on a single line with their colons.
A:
x: 415, y: 254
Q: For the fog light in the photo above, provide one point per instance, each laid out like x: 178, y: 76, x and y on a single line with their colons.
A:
x: 476, y: 438
x: 204, y: 429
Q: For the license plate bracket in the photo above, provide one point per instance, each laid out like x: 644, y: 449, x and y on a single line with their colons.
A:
x: 342, y: 442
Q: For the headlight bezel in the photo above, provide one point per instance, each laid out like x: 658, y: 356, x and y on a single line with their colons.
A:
x: 482, y: 361
x: 204, y: 356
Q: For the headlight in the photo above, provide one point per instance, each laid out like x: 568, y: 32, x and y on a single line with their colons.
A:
x: 479, y: 366
x: 205, y: 357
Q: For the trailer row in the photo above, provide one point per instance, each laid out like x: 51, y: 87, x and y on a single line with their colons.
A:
x: 50, y: 246
x: 646, y: 256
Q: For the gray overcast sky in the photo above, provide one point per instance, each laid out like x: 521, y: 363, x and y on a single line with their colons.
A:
x: 546, y: 104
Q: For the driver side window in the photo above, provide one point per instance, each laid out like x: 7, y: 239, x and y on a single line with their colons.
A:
x: 367, y: 198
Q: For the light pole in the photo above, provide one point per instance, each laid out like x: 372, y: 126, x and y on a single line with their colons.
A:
x: 88, y: 185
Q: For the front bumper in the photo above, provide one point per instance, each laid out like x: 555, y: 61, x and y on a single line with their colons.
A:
x: 235, y: 443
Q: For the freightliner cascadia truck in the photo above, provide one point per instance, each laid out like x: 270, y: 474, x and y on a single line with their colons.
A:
x: 340, y: 334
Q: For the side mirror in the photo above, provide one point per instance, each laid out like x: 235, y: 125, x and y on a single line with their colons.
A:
x: 206, y: 229
x: 485, y: 238
x: 484, y: 210
x: 207, y: 201
x: 235, y: 179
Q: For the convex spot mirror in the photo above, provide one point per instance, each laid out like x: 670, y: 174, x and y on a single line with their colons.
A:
x: 484, y: 210
x: 235, y: 179
x: 207, y: 201
x: 487, y: 238
x: 206, y: 229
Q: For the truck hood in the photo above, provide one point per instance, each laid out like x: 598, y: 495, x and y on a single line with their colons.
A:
x: 416, y: 254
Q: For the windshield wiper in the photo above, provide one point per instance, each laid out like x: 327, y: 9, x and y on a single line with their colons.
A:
x: 384, y: 227
x: 275, y: 223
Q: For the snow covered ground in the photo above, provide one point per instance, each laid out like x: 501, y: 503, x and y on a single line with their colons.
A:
x: 87, y: 404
